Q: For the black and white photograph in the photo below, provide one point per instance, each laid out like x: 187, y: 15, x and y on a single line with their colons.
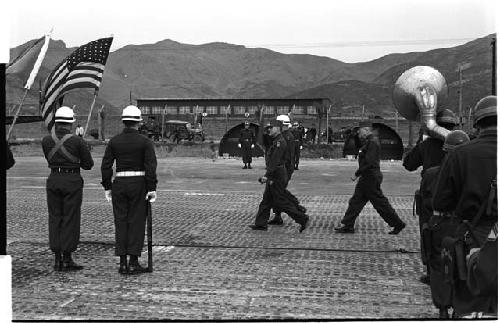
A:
x: 230, y: 160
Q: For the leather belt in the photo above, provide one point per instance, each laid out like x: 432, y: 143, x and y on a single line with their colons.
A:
x: 65, y: 170
x: 130, y: 173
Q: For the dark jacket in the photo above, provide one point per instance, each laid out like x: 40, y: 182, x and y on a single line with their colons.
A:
x: 132, y: 152
x: 465, y: 176
x: 275, y: 156
x: 369, y: 157
x: 75, y: 145
x: 289, y: 157
x: 427, y: 153
x: 247, y: 137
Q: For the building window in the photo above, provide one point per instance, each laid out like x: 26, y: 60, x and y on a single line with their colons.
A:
x: 211, y: 110
x: 268, y: 110
x: 171, y: 110
x: 198, y: 109
x: 156, y: 110
x: 282, y: 110
x: 225, y: 109
x: 251, y: 109
x: 145, y: 110
x: 298, y: 109
x: 184, y: 110
x: 239, y: 109
x: 311, y: 110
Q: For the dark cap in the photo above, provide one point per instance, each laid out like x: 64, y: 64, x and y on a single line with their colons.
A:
x: 276, y: 123
x: 364, y: 124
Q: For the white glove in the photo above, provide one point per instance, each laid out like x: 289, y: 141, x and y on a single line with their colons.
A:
x: 151, y: 195
x: 239, y: 145
x: 252, y: 146
x: 300, y: 146
x: 107, y: 195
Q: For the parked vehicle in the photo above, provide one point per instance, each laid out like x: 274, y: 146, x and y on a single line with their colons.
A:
x: 177, y: 130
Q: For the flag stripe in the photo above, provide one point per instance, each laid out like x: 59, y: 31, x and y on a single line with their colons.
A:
x: 84, y: 68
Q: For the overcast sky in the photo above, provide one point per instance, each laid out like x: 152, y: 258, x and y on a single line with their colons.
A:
x: 348, y: 30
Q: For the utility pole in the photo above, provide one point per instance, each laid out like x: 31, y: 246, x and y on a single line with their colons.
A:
x: 397, y: 122
x: 494, y: 66
x: 460, y: 95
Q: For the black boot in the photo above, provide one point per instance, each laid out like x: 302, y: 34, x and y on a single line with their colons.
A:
x: 134, y: 267
x: 249, y: 166
x: 245, y: 167
x: 443, y: 313
x: 68, y: 264
x: 123, y: 265
x: 58, y: 261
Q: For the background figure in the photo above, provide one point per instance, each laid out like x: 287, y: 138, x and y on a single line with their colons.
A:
x: 368, y: 186
x: 428, y: 152
x: 311, y: 135
x: 463, y: 186
x: 135, y: 182
x: 437, y: 227
x: 298, y: 133
x: 65, y: 154
x: 247, y: 143
x: 275, y: 179
x: 9, y: 157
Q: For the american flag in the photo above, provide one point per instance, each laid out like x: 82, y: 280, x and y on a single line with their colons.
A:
x: 82, y: 69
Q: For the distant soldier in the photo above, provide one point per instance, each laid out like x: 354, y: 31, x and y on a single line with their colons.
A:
x: 247, y: 143
x: 79, y: 130
x: 135, y: 183
x: 298, y: 133
x: 65, y: 154
x: 275, y: 179
x: 428, y: 152
x: 464, y: 187
x: 439, y: 226
x: 368, y: 186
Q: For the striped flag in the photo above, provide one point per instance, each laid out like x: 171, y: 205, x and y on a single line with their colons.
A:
x: 82, y: 69
x: 30, y: 60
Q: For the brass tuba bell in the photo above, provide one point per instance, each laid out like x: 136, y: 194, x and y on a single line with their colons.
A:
x: 417, y: 93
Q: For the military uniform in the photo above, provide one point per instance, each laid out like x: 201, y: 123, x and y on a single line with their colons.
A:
x: 368, y: 187
x: 427, y: 153
x: 136, y: 175
x: 247, y: 139
x: 65, y: 154
x: 275, y: 195
x: 463, y: 184
x: 289, y: 156
x: 298, y: 134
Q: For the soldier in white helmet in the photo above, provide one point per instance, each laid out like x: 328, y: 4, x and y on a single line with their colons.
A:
x: 65, y: 154
x: 135, y: 183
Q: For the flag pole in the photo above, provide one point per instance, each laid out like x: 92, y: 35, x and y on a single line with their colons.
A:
x: 90, y: 114
x: 17, y: 114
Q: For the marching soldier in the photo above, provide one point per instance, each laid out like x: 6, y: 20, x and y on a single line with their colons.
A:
x: 439, y: 226
x: 289, y: 159
x: 428, y: 153
x: 65, y: 154
x: 465, y: 182
x: 135, y: 183
x: 275, y: 179
x: 247, y: 143
x: 368, y: 186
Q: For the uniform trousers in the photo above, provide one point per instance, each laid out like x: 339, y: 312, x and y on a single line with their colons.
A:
x: 297, y: 155
x: 246, y: 153
x: 368, y: 189
x: 129, y: 210
x: 277, y: 197
x: 64, y: 201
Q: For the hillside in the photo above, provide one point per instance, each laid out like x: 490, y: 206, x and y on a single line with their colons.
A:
x: 171, y: 69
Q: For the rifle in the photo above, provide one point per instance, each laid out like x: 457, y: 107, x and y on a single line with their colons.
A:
x: 149, y: 235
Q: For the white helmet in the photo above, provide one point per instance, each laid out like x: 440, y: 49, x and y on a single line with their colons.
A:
x: 64, y: 115
x: 285, y: 119
x: 131, y: 113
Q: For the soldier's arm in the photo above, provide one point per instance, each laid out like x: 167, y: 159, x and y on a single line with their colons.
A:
x: 275, y: 158
x: 86, y: 161
x: 445, y: 195
x: 150, y: 165
x: 371, y: 158
x: 107, y: 166
x: 413, y: 159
